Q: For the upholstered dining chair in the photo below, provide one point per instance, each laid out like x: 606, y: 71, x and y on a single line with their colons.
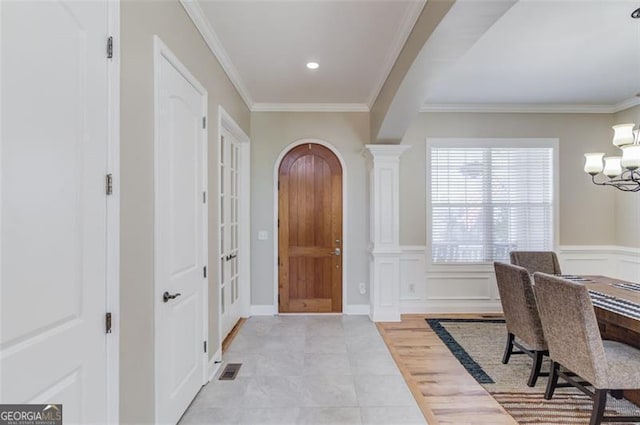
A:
x: 574, y: 341
x: 536, y: 261
x: 524, y: 329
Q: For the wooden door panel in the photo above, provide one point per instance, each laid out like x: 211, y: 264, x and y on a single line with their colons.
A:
x: 310, y: 216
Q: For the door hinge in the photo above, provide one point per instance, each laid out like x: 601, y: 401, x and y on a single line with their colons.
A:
x: 110, y: 48
x: 278, y: 184
x: 278, y: 222
x: 204, y: 197
x: 109, y: 187
x: 278, y: 260
x: 204, y: 269
x: 107, y: 323
x: 204, y: 122
x: 205, y: 346
x: 278, y: 298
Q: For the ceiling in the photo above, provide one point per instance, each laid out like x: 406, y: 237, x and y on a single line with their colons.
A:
x: 549, y: 52
x: 538, y: 52
x: 268, y: 43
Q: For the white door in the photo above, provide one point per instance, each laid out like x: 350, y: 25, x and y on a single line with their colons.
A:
x: 181, y: 237
x: 230, y: 308
x: 53, y: 220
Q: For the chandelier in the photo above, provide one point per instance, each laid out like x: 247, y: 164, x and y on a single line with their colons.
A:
x: 621, y: 172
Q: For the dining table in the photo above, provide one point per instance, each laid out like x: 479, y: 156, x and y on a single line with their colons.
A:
x: 617, y: 306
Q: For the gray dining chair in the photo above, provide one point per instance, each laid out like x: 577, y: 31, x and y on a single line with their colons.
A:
x: 573, y: 337
x: 524, y: 329
x: 536, y: 261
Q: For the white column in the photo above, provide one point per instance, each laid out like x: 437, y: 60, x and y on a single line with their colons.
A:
x: 384, y: 232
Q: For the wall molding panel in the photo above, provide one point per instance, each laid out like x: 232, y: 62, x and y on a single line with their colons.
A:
x: 428, y: 288
x: 615, y: 261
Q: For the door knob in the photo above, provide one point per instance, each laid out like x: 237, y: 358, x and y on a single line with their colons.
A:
x: 336, y: 252
x: 167, y: 296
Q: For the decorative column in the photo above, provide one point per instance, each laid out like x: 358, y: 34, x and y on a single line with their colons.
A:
x: 384, y: 232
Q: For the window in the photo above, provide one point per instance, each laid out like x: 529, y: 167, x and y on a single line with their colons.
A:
x: 489, y: 197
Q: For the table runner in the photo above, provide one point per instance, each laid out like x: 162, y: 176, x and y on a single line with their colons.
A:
x: 617, y: 305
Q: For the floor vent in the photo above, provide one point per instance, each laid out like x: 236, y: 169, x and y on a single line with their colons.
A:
x: 230, y: 372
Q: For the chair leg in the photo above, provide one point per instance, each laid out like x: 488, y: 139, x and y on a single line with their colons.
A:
x: 535, y: 368
x: 617, y: 394
x: 599, y: 403
x: 508, y: 349
x: 552, y: 382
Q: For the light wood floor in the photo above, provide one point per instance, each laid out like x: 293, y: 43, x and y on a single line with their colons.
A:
x: 445, y: 392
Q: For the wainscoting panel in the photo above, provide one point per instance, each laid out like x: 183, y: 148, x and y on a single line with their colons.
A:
x: 614, y: 261
x: 412, y: 274
x: 459, y: 287
x: 427, y: 288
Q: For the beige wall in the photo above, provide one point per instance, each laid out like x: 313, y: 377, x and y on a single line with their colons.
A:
x: 271, y: 133
x: 586, y: 212
x: 627, y: 204
x: 140, y: 20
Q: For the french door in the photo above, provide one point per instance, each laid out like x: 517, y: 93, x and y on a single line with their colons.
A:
x: 230, y: 305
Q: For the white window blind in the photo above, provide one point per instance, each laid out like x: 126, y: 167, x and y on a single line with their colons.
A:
x: 487, y: 201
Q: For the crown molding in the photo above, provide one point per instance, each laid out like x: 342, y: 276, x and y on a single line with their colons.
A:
x: 521, y: 108
x: 310, y: 107
x: 196, y: 14
x: 626, y: 104
x: 406, y: 26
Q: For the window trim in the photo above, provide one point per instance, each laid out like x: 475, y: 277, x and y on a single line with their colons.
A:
x: 460, y: 142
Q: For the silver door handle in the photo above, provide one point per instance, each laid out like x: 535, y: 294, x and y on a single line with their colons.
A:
x: 336, y: 252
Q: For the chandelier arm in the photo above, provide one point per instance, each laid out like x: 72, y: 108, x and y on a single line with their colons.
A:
x: 630, y: 184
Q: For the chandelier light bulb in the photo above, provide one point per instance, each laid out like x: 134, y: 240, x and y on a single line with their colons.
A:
x: 631, y: 157
x: 593, y: 163
x: 612, y: 166
x: 623, y: 134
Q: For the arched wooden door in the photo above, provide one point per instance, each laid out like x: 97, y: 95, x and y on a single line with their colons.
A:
x: 310, y: 231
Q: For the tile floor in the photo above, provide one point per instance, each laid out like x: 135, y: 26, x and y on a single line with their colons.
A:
x: 315, y: 370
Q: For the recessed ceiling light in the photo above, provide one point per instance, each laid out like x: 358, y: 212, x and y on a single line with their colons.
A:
x: 313, y: 65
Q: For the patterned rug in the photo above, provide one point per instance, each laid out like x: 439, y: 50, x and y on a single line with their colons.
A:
x: 478, y: 345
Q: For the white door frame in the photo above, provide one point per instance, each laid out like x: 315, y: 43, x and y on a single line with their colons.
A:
x: 161, y: 51
x: 226, y: 122
x: 345, y: 245
x: 113, y: 220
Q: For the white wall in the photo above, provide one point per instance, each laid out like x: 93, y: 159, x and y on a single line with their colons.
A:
x: 271, y: 132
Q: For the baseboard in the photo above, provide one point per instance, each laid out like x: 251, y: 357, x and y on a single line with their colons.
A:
x: 270, y: 310
x: 385, y: 316
x: 263, y: 310
x: 357, y: 309
x: 444, y: 307
x: 214, y: 364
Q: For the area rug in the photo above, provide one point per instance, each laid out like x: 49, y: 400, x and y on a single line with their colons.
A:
x: 478, y: 345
